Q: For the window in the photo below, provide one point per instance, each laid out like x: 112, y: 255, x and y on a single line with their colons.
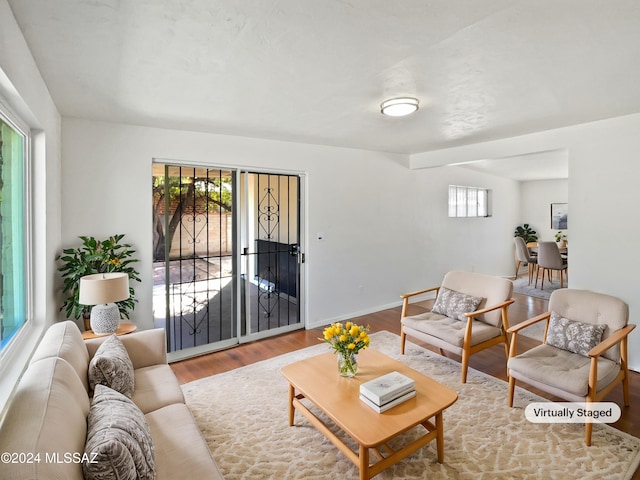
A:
x: 468, y: 201
x: 13, y: 239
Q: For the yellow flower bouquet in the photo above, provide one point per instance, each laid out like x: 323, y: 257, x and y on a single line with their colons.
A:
x: 347, y: 340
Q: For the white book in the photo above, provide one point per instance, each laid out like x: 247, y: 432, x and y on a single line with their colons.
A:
x: 383, y: 389
x: 399, y: 393
x: 387, y: 406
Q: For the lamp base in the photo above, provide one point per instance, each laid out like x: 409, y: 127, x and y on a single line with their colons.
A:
x: 105, y: 318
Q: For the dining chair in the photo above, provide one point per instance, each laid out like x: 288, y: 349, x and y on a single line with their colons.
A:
x: 524, y: 257
x: 549, y: 259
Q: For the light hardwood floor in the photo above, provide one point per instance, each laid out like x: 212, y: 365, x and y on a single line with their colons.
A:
x: 490, y: 361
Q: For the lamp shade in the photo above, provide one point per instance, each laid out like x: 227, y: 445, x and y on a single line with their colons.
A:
x: 103, y: 288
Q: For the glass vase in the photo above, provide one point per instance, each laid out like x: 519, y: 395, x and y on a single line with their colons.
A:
x: 347, y: 364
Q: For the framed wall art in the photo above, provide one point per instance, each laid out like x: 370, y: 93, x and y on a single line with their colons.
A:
x: 559, y: 214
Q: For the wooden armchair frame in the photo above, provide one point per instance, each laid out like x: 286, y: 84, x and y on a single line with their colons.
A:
x: 467, y: 348
x: 593, y: 395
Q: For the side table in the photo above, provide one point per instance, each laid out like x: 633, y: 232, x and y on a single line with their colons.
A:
x: 123, y: 329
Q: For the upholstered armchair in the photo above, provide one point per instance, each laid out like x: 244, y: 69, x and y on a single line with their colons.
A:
x: 469, y: 315
x: 584, y: 351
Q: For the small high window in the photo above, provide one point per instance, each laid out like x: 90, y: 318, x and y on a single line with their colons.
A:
x: 468, y: 201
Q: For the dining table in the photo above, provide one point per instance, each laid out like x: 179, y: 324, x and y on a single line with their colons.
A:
x: 533, y: 248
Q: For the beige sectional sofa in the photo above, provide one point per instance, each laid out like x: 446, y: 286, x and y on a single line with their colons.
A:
x: 45, y: 425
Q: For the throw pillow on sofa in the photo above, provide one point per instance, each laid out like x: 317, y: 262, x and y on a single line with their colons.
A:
x: 455, y: 304
x: 112, y: 367
x: 119, y: 441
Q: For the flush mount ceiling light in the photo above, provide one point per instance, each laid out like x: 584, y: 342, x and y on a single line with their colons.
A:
x: 399, y: 107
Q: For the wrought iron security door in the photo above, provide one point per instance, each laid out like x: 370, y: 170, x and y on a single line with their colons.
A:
x: 194, y: 292
x: 271, y: 253
x: 203, y: 219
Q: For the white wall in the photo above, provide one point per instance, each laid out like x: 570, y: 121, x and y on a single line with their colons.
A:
x: 24, y: 91
x: 536, y: 198
x: 473, y: 244
x: 603, y: 201
x: 385, y: 227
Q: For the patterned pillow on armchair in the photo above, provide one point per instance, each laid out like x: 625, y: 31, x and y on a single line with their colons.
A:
x: 455, y: 304
x: 573, y: 336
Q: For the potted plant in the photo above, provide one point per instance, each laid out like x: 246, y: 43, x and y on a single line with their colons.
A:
x: 95, y: 256
x: 526, y: 232
x: 561, y: 239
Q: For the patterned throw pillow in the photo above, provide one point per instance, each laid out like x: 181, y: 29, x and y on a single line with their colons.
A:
x: 455, y: 304
x: 576, y: 337
x: 119, y: 441
x: 112, y: 367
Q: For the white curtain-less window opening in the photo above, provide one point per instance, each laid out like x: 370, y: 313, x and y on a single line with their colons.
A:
x: 13, y: 238
x: 468, y: 201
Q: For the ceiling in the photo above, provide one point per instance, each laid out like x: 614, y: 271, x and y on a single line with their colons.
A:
x: 547, y: 165
x: 317, y: 71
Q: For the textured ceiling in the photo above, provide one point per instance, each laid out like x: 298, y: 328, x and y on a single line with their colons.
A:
x: 316, y: 71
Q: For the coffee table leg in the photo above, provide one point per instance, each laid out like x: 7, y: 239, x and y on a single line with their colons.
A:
x: 364, y: 463
x: 292, y: 394
x: 440, y: 437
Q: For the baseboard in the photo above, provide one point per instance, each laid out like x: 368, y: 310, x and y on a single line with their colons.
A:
x: 341, y: 318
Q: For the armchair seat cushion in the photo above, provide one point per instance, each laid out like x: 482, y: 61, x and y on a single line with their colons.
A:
x: 561, y: 370
x: 450, y: 330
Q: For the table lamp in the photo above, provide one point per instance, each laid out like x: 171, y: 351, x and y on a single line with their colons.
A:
x: 101, y: 290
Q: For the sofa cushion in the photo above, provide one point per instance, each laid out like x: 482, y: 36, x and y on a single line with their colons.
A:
x: 453, y: 304
x: 573, y: 336
x: 119, y: 444
x: 145, y: 347
x: 181, y: 451
x: 48, y: 417
x: 156, y: 387
x: 64, y: 340
x: 112, y: 367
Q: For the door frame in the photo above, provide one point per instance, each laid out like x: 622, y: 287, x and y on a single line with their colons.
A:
x: 302, y: 241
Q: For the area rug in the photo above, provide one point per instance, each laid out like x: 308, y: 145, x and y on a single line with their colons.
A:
x: 243, y: 416
x: 521, y: 285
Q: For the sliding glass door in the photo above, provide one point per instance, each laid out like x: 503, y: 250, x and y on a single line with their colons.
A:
x: 194, y: 295
x: 227, y: 256
x: 271, y: 253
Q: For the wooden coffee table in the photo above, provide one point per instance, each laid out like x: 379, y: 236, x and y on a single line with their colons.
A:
x: 317, y: 380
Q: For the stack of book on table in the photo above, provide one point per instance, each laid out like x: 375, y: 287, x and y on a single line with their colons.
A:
x: 387, y: 391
